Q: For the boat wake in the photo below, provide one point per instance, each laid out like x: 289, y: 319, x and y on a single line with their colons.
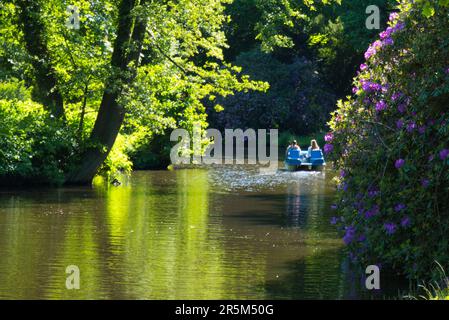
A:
x: 251, y: 179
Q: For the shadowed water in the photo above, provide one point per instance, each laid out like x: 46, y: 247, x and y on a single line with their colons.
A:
x: 224, y: 233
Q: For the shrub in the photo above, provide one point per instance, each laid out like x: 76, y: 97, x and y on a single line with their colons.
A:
x: 34, y: 147
x: 117, y: 161
x: 296, y: 101
x: 435, y: 290
x: 14, y: 90
x: 391, y: 143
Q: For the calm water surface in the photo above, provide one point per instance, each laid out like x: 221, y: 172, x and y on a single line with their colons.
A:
x: 223, y: 233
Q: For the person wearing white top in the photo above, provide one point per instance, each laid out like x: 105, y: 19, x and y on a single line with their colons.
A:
x: 313, y: 146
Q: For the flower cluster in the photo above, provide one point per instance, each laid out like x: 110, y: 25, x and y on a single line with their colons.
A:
x: 385, y: 38
x: 390, y: 141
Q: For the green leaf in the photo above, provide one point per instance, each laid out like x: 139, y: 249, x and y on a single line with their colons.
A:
x: 428, y: 10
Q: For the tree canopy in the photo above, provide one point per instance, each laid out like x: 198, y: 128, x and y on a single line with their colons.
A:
x: 132, y: 67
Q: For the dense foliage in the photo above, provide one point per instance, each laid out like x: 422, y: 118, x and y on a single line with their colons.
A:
x: 33, y: 145
x: 131, y: 71
x: 297, y: 100
x: 391, y: 142
x: 307, y: 51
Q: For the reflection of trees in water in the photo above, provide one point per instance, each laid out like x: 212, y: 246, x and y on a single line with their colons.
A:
x: 152, y: 239
x: 316, y: 276
x: 159, y: 238
x: 296, y: 212
x: 323, y: 275
x: 391, y: 285
x: 46, y: 232
x: 306, y: 201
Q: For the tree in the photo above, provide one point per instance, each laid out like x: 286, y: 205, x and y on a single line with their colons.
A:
x: 46, y: 91
x: 155, y: 76
x: 127, y: 47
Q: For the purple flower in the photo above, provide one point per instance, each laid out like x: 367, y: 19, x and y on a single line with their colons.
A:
x: 425, y: 182
x: 388, y: 42
x: 399, y: 163
x: 372, y: 49
x: 431, y: 157
x: 422, y: 129
x: 399, y: 26
x: 373, y: 192
x: 349, y: 235
x: 365, y: 85
x: 334, y: 207
x: 400, y: 124
x: 377, y: 44
x: 446, y: 71
x: 355, y: 90
x: 444, y: 154
x: 328, y: 148
x: 359, y: 206
x: 381, y: 105
x: 363, y: 66
x: 399, y: 207
x: 402, y: 107
x: 390, y: 228
x: 343, y: 173
x: 334, y: 221
x: 376, y: 87
x: 411, y: 127
x: 370, y: 52
x: 405, y: 222
x: 372, y: 212
x: 393, y: 16
x: 366, y: 101
x: 360, y: 210
x: 362, y: 238
x: 342, y: 186
x: 396, y: 96
x: 384, y: 34
x: 369, y: 86
x: 329, y: 137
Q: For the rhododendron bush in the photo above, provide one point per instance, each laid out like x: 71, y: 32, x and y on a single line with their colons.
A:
x: 390, y: 141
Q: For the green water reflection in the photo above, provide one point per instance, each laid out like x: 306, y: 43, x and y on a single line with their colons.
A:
x: 174, y: 235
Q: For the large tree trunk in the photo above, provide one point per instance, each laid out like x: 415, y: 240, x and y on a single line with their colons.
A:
x: 111, y: 114
x: 45, y: 90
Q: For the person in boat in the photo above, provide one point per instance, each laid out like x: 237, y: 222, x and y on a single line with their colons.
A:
x: 313, y: 146
x: 295, y: 146
x: 290, y: 143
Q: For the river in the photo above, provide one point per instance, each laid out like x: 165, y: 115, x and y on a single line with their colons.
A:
x: 221, y: 233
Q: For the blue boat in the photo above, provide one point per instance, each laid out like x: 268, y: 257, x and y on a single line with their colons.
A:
x: 299, y: 160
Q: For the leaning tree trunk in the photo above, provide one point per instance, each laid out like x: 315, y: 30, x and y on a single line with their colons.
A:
x: 111, y: 114
x: 45, y: 90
